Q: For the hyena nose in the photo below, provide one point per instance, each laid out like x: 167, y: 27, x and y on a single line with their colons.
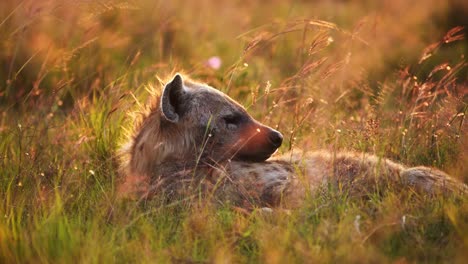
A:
x: 275, y: 138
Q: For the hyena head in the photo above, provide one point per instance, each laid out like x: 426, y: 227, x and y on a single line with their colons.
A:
x: 192, y: 121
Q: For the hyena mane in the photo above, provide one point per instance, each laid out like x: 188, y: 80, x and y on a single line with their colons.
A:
x: 193, y: 139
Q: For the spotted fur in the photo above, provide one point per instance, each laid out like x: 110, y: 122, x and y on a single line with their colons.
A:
x: 195, y: 141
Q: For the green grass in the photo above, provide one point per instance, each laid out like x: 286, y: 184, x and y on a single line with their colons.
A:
x: 333, y: 75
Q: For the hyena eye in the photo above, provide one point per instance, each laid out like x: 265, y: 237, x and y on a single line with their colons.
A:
x: 232, y: 121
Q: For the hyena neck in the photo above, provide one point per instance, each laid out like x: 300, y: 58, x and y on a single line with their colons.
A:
x: 158, y: 145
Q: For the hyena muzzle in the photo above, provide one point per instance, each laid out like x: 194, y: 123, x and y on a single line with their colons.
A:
x: 194, y: 137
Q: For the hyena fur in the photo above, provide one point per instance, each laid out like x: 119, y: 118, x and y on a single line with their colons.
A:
x: 196, y: 140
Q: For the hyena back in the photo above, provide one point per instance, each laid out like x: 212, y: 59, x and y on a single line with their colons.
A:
x: 197, y: 138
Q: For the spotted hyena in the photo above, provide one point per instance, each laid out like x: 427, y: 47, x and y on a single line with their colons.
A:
x: 196, y: 140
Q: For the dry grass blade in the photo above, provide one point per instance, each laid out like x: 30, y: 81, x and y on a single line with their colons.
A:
x: 454, y: 34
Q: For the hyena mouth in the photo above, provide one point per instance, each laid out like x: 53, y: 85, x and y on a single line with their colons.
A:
x: 259, y: 147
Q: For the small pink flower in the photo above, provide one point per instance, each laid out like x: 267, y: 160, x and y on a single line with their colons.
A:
x: 214, y: 62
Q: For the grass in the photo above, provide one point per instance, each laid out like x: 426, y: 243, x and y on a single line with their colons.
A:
x: 388, y: 78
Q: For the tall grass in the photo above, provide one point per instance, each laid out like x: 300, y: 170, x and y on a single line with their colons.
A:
x: 385, y: 77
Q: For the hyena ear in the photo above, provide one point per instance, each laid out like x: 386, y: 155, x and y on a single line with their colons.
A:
x: 172, y: 99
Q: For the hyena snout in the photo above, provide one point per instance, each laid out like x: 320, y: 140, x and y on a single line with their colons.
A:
x: 275, y: 138
x: 259, y: 142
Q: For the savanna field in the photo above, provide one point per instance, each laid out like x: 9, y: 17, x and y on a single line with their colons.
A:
x: 383, y: 77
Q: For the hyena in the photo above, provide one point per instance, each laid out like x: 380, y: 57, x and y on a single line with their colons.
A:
x: 196, y: 140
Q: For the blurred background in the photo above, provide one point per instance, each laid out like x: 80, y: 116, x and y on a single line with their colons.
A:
x: 84, y: 45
